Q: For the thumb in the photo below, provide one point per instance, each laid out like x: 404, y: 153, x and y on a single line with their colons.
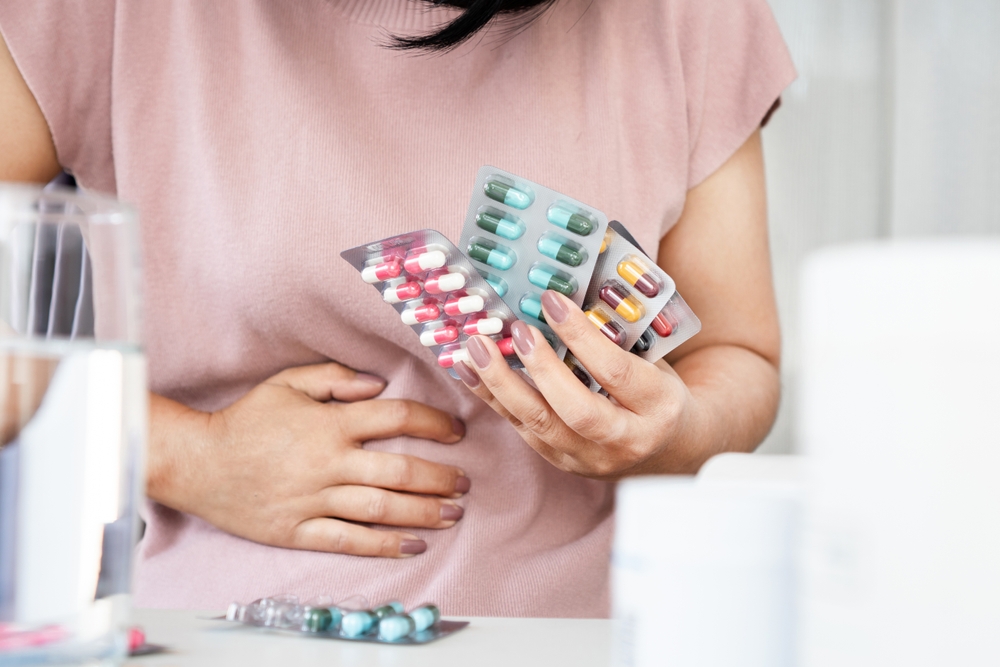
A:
x: 325, y: 382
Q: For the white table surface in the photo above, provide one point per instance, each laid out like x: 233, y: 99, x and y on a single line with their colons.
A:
x: 520, y: 642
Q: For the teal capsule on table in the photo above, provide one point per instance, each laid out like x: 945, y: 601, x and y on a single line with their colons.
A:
x: 567, y: 219
x: 531, y: 305
x: 507, y: 194
x: 357, y: 623
x: 388, y: 609
x: 395, y: 627
x: 559, y: 252
x: 543, y: 278
x: 499, y: 224
x: 489, y: 253
x: 316, y: 619
x: 425, y: 616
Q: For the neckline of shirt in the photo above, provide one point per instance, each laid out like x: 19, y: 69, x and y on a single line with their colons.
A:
x: 399, y: 14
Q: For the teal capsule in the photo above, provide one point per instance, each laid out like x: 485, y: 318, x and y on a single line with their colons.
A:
x: 574, y: 222
x: 498, y: 284
x: 395, y: 627
x: 543, y: 278
x: 507, y: 194
x: 501, y: 225
x: 531, y: 305
x: 488, y: 253
x: 388, y: 609
x: 316, y: 619
x: 425, y: 616
x: 559, y: 252
x: 357, y: 623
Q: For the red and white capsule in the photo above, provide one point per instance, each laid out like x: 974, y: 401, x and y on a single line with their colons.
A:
x: 403, y: 292
x: 449, y: 359
x: 445, y: 282
x: 484, y: 326
x: 463, y: 305
x: 506, y: 346
x: 384, y: 271
x: 664, y: 324
x: 425, y: 313
x: 440, y: 336
x: 425, y: 261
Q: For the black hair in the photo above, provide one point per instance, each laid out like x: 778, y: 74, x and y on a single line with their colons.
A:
x: 517, y: 14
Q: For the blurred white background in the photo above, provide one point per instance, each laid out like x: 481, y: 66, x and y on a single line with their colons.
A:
x: 892, y: 130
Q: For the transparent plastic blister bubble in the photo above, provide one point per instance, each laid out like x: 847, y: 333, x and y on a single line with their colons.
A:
x: 673, y: 325
x: 437, y: 292
x: 524, y: 238
x: 352, y: 619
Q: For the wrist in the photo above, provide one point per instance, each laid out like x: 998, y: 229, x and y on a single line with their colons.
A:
x: 177, y: 437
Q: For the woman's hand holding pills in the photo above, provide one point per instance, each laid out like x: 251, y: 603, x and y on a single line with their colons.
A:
x: 579, y: 431
x: 285, y: 466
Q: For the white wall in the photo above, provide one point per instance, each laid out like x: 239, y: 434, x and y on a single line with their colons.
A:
x: 893, y: 129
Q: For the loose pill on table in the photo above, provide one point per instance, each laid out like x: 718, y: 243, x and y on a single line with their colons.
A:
x: 486, y: 326
x: 357, y: 623
x: 507, y: 194
x: 316, y: 619
x: 664, y: 324
x: 645, y: 341
x: 425, y: 313
x: 380, y: 272
x: 531, y: 305
x: 446, y: 282
x: 567, y: 219
x: 463, y: 305
x: 544, y: 278
x: 395, y: 627
x: 501, y: 225
x: 425, y: 261
x: 425, y: 616
x: 623, y: 303
x: 440, y: 336
x: 607, y: 326
x: 559, y: 251
x: 635, y: 273
x: 404, y: 292
x: 498, y: 257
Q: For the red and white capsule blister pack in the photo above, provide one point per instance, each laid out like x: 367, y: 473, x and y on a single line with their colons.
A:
x: 437, y: 292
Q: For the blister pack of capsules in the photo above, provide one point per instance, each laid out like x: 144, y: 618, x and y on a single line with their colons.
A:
x: 352, y: 619
x: 524, y: 238
x: 437, y: 292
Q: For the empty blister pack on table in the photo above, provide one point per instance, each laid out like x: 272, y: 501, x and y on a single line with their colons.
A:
x: 524, y: 238
x: 351, y: 619
x: 437, y: 292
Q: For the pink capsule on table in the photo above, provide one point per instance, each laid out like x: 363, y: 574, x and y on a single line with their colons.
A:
x: 403, y: 292
x: 441, y: 336
x: 463, y: 305
x: 483, y: 326
x: 445, y: 282
x: 380, y: 272
x: 420, y: 314
x: 449, y: 359
x: 425, y: 261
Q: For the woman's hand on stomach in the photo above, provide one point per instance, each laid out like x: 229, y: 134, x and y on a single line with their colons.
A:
x: 285, y: 466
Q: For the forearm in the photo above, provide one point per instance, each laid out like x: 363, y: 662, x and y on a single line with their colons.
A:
x: 734, y: 394
x: 176, y: 432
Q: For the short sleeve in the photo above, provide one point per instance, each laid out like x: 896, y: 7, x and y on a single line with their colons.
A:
x: 64, y: 49
x: 736, y: 65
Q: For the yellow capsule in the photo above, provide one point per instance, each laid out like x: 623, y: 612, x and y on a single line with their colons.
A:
x: 606, y: 241
x: 606, y: 326
x: 636, y: 274
x: 623, y: 303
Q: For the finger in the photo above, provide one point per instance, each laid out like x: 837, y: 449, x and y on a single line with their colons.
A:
x: 340, y: 537
x: 525, y: 404
x: 371, y: 505
x: 625, y: 376
x: 326, y: 382
x: 389, y: 418
x: 400, y: 472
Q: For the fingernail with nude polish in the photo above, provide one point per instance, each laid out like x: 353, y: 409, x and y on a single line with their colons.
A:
x: 451, y: 512
x: 555, y: 309
x: 524, y: 341
x: 468, y: 375
x: 412, y: 547
x: 463, y: 484
x: 369, y: 379
x: 457, y: 426
x: 480, y: 355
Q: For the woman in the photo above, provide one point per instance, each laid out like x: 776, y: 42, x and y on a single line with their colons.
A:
x: 259, y: 139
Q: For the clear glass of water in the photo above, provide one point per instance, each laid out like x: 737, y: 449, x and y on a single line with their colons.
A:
x: 73, y: 424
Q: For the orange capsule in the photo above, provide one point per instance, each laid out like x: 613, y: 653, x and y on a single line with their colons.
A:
x: 635, y: 273
x: 624, y: 303
x: 607, y: 326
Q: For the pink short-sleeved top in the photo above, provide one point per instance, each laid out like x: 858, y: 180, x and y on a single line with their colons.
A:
x: 260, y: 138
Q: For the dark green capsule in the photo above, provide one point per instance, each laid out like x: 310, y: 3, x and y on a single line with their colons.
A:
x: 544, y: 278
x: 501, y: 225
x: 507, y: 194
x: 531, y: 305
x: 559, y: 252
x: 574, y: 222
x: 316, y: 619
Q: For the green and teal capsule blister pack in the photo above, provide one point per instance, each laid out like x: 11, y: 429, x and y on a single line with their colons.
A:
x: 524, y: 238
